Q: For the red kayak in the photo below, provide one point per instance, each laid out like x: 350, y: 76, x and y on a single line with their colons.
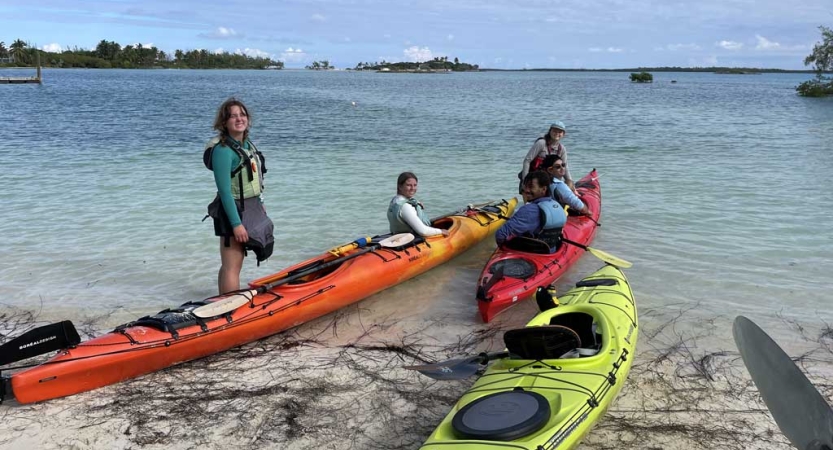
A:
x: 517, y: 269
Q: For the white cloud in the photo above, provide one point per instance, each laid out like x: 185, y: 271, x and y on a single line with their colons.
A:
x: 221, y: 33
x: 52, y: 48
x: 292, y: 55
x: 730, y: 45
x: 418, y: 54
x: 766, y: 44
x: 594, y: 49
x: 614, y: 50
x: 318, y: 18
x: 450, y: 37
x: 676, y: 47
x: 609, y: 50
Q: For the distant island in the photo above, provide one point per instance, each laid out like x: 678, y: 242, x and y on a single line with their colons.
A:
x: 438, y: 64
x: 109, y: 54
x: 738, y: 72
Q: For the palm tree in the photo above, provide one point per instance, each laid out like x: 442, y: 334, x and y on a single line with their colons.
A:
x: 4, y: 52
x: 18, y: 50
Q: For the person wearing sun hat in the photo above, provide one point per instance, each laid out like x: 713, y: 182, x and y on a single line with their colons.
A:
x: 549, y: 144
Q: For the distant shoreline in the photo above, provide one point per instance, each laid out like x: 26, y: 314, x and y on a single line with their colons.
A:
x: 722, y: 70
x: 717, y: 70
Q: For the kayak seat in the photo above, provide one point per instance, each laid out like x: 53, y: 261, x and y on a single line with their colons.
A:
x: 527, y: 245
x: 539, y: 343
x: 582, y: 324
x: 502, y: 416
x: 597, y: 282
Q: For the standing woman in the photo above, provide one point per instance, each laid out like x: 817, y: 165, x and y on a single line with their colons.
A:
x: 240, y: 219
x: 549, y: 144
x: 406, y: 214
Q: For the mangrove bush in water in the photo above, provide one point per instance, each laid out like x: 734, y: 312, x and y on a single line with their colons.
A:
x: 822, y: 61
x: 642, y: 77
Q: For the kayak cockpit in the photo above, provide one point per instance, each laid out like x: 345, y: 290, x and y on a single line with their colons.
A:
x: 568, y: 335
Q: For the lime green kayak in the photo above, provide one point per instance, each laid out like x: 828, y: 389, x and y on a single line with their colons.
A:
x: 563, y: 371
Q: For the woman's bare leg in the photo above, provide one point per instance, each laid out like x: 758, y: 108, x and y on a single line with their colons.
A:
x: 231, y: 258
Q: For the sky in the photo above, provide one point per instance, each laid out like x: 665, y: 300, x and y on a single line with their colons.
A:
x: 500, y: 34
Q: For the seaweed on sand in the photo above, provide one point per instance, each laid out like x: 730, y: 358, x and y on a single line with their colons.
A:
x: 310, y: 388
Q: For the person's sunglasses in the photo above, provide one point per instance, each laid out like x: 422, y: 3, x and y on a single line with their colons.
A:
x: 558, y: 166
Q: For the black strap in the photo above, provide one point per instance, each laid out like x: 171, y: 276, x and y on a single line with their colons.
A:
x: 245, y: 160
x: 242, y: 203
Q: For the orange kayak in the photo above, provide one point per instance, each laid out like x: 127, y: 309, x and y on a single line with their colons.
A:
x: 275, y: 303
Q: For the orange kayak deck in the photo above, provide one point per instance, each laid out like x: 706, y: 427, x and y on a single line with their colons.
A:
x: 177, y: 335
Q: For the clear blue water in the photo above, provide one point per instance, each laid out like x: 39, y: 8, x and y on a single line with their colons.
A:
x: 717, y: 187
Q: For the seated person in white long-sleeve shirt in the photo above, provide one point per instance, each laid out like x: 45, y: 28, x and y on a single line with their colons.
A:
x: 555, y: 167
x: 406, y: 214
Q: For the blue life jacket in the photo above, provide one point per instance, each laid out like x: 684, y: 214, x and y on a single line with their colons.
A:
x: 553, y: 219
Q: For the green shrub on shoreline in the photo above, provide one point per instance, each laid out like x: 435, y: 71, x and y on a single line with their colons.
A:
x: 109, y: 54
x: 822, y: 61
x: 815, y: 88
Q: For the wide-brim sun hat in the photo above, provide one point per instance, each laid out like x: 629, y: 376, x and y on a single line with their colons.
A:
x: 559, y: 125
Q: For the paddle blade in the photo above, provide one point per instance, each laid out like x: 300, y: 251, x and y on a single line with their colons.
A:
x: 453, y: 369
x: 604, y: 256
x: 798, y: 408
x: 224, y: 305
x: 610, y: 259
x: 397, y: 240
x: 39, y: 341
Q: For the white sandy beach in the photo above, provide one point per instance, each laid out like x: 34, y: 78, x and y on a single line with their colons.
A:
x: 338, y: 383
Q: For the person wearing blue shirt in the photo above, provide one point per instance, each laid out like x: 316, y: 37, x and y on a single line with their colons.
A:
x: 541, y: 218
x: 562, y: 193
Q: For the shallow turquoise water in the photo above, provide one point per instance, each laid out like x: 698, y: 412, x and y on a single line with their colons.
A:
x: 717, y: 187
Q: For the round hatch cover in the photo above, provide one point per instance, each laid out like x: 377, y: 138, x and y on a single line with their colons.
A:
x: 503, y: 416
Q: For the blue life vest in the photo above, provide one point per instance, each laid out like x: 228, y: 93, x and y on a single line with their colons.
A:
x: 553, y: 219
